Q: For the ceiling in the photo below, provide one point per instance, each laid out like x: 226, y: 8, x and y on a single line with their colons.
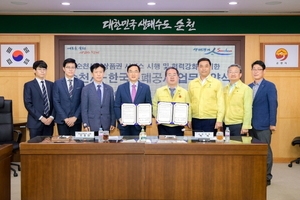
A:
x: 161, y: 7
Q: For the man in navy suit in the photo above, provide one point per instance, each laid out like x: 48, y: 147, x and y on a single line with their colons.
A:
x: 38, y: 102
x: 67, y: 100
x: 264, y: 110
x: 123, y: 95
x: 97, y: 102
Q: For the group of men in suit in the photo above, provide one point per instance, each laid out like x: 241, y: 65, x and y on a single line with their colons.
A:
x: 70, y: 104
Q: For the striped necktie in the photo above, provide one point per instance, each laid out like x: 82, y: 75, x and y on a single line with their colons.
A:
x: 70, y: 88
x: 45, y: 98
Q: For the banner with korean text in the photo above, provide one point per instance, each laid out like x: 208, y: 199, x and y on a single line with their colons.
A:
x: 153, y: 60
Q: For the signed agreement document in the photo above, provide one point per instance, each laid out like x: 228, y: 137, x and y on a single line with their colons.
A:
x: 172, y: 113
x: 136, y: 114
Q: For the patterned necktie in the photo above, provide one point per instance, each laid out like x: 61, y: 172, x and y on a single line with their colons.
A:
x: 172, y: 90
x: 99, y: 92
x: 45, y: 98
x: 133, y: 92
x: 70, y: 88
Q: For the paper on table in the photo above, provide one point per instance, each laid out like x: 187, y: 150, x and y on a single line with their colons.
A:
x: 115, y: 137
x: 129, y: 141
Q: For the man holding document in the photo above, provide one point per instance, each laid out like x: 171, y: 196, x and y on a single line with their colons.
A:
x: 171, y: 105
x: 133, y: 92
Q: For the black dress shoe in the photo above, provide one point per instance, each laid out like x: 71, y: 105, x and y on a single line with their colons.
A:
x: 268, y: 182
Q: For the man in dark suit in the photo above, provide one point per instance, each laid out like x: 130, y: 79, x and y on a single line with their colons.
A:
x: 124, y: 95
x: 38, y: 102
x: 97, y: 102
x: 67, y: 100
x: 264, y: 110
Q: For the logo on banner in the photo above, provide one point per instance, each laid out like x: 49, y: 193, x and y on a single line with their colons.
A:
x: 17, y: 55
x: 281, y: 54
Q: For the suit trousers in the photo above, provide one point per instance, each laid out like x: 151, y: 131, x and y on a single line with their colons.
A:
x: 64, y: 129
x: 235, y: 129
x: 43, y: 130
x: 131, y: 130
x: 204, y: 125
x: 167, y: 130
x: 265, y: 137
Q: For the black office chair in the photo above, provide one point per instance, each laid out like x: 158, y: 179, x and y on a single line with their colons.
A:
x: 295, y: 141
x: 6, y: 128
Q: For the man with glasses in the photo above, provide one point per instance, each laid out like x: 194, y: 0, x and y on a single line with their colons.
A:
x: 38, y: 102
x: 132, y: 91
x: 264, y: 110
x: 207, y: 100
x: 238, y: 103
x: 67, y: 100
x: 172, y: 92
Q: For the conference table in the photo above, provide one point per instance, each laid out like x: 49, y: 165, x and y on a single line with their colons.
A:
x: 120, y: 170
x: 5, y: 174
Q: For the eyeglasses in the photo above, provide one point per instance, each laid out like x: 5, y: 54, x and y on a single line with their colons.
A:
x: 72, y: 68
x: 257, y: 70
x: 235, y: 72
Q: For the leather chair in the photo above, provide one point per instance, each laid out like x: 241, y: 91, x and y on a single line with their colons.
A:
x: 6, y: 128
x: 295, y: 141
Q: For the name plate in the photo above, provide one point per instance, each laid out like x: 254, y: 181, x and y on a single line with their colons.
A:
x: 84, y: 134
x: 209, y: 135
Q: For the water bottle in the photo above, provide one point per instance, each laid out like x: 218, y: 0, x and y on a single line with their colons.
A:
x: 143, y: 135
x: 227, y: 135
x: 100, y: 135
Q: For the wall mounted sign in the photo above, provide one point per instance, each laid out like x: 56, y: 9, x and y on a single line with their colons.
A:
x: 281, y: 56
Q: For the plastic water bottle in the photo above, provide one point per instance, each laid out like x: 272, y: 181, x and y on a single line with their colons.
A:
x: 100, y: 135
x: 143, y: 135
x: 227, y: 135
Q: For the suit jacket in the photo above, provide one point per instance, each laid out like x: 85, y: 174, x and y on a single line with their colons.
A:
x: 123, y: 95
x: 65, y: 106
x: 34, y: 103
x: 264, y: 107
x: 93, y: 114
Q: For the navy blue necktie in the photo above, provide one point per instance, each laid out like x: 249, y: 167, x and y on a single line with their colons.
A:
x: 99, y: 92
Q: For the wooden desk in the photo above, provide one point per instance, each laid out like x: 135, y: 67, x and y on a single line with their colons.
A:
x: 143, y: 171
x: 5, y: 157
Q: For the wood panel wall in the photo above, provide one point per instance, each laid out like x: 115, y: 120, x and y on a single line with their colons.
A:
x: 287, y: 82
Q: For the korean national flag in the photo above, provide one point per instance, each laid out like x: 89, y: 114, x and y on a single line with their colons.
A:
x: 17, y: 55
